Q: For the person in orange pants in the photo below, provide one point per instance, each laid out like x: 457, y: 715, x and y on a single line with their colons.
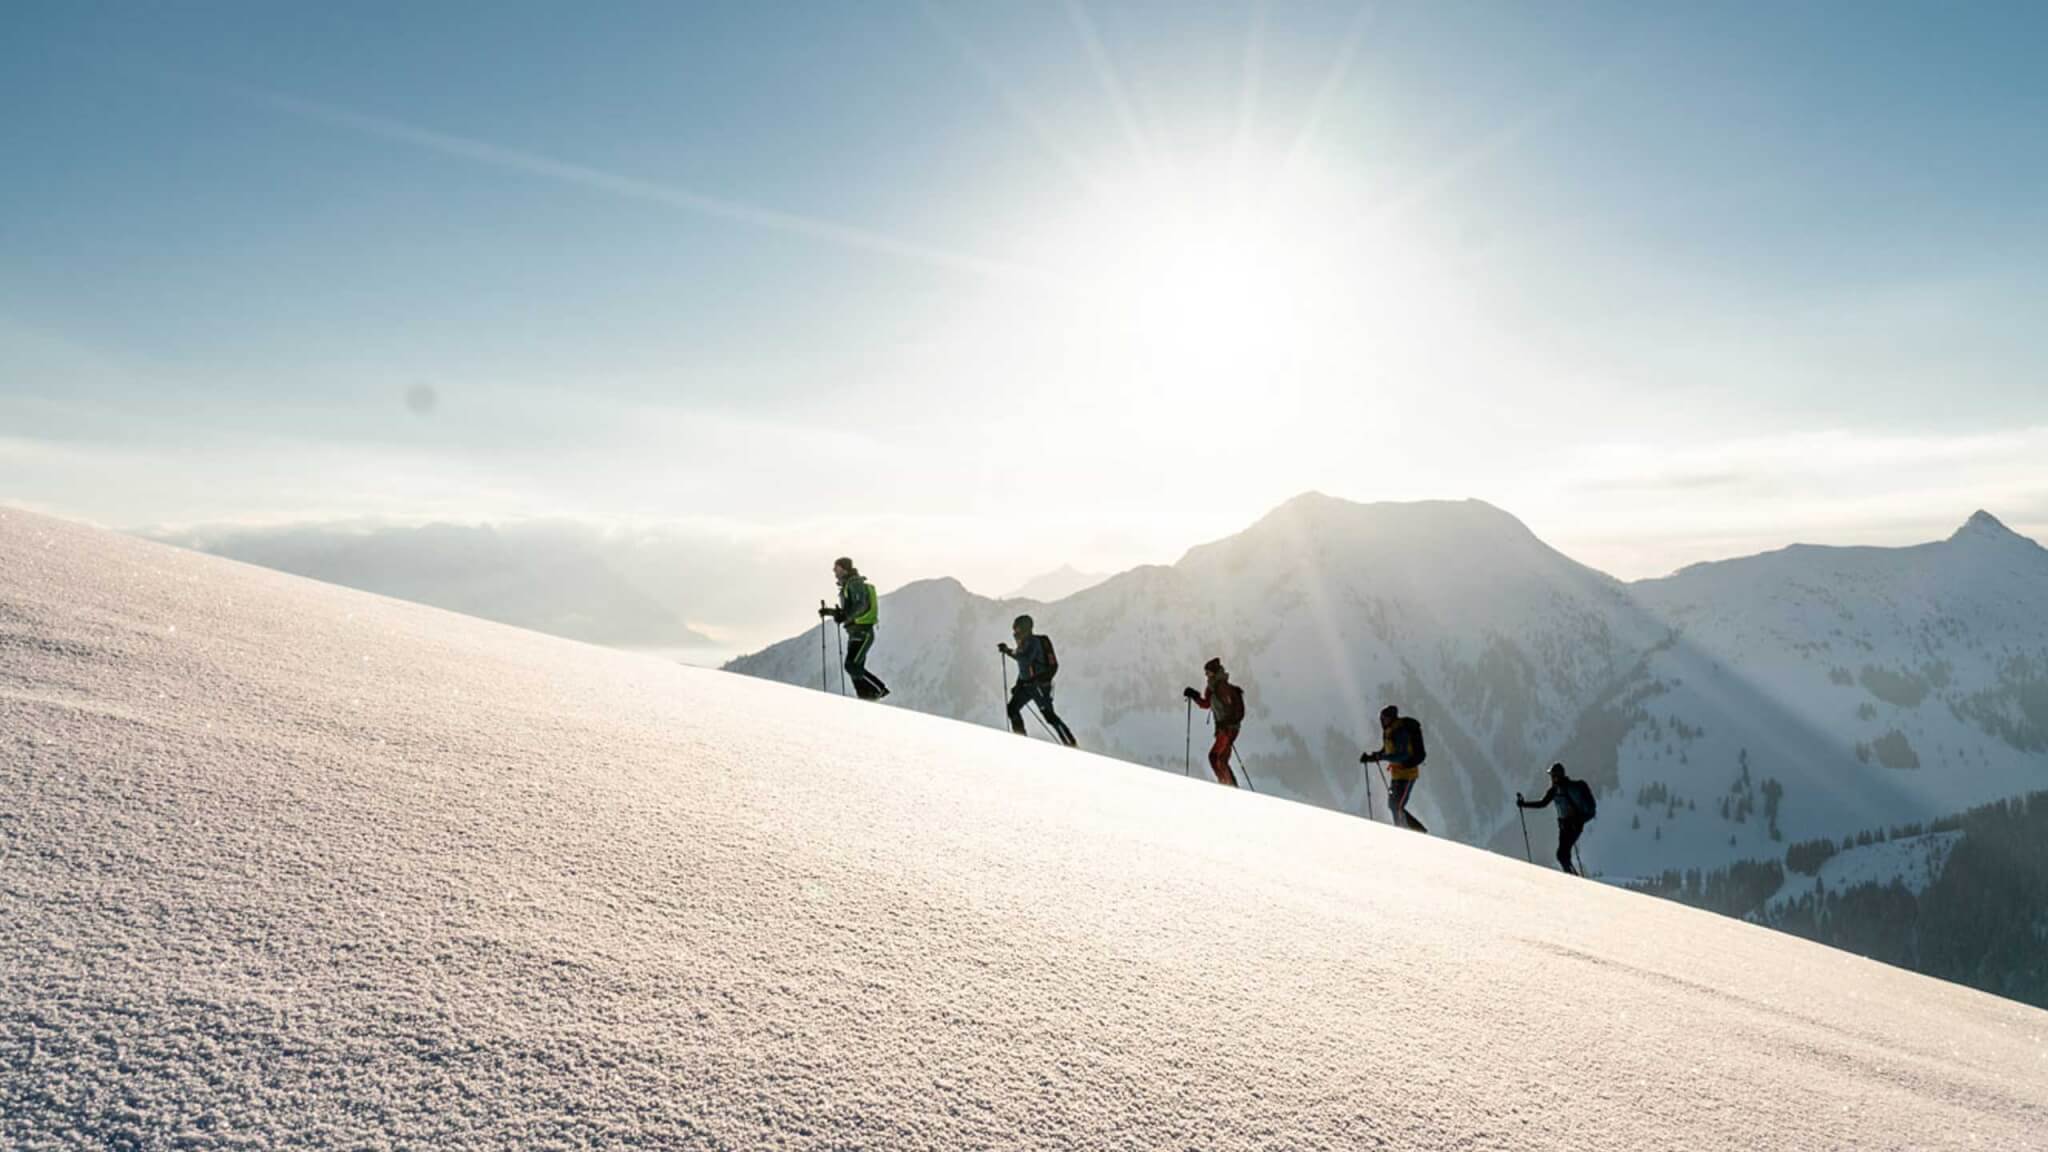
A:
x: 1225, y: 702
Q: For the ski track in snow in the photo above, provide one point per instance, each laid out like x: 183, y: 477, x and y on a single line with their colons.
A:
x: 283, y: 864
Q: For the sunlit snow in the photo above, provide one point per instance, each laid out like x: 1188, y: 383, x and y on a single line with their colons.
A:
x: 284, y: 864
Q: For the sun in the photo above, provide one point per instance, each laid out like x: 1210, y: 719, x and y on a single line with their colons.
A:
x: 1202, y: 282
x: 1191, y: 293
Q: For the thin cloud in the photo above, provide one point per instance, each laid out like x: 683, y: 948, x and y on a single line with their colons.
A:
x: 1664, y: 482
x: 632, y: 188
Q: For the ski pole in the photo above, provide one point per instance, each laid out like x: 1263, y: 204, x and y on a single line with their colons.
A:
x: 1580, y: 857
x: 1038, y: 714
x: 1241, y: 768
x: 1524, y: 818
x: 1371, y: 813
x: 1187, y: 748
x: 824, y: 660
x: 1042, y: 725
x: 840, y: 634
x: 1388, y: 791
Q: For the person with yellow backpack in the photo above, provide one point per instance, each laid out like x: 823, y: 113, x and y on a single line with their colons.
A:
x: 1401, y: 749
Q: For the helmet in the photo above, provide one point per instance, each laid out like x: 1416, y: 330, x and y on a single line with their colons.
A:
x: 1021, y: 623
x: 1389, y: 714
x: 1215, y: 664
x: 1557, y: 769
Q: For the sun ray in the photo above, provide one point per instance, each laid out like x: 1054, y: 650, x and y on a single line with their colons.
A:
x: 1333, y: 82
x: 1105, y: 72
x: 1028, y: 118
x: 1537, y: 117
x: 1248, y: 96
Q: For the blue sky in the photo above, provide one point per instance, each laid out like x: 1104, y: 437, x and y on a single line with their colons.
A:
x: 989, y: 288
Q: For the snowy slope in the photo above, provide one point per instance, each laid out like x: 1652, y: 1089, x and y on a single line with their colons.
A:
x: 1795, y: 686
x: 286, y: 864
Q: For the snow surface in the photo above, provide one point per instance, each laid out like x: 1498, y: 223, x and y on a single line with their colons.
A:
x: 287, y: 864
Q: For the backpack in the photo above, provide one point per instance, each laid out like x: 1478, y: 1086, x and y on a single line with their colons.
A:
x: 1413, y: 729
x: 1052, y: 660
x: 1581, y: 795
x: 1229, y: 710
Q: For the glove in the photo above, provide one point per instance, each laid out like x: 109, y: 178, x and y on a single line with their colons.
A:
x: 1519, y: 802
x: 1003, y: 648
x: 1192, y: 695
x: 1369, y: 758
x: 823, y: 612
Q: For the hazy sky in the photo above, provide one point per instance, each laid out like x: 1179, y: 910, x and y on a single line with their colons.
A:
x: 984, y: 289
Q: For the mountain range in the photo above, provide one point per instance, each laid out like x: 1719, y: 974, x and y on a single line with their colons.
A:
x: 1722, y: 713
x: 554, y: 579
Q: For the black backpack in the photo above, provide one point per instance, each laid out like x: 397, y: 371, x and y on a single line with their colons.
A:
x: 1581, y: 794
x: 1229, y: 705
x: 1413, y: 728
x: 1052, y: 659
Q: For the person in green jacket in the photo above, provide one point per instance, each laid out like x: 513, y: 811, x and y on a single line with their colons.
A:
x: 857, y: 612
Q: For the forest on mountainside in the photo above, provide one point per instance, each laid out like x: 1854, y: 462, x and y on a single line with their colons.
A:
x: 1981, y: 921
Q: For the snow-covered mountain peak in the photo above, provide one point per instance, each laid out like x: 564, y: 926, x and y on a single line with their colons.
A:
x: 1057, y: 584
x: 1397, y: 545
x: 1983, y: 527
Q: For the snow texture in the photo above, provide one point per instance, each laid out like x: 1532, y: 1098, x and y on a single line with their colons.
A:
x: 283, y: 864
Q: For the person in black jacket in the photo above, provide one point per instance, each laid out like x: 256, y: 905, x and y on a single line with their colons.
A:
x: 1225, y: 702
x: 1565, y: 795
x: 1037, y: 664
x: 1402, y: 750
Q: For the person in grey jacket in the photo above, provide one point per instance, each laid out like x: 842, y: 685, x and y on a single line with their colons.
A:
x: 1037, y: 664
x: 1568, y: 796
